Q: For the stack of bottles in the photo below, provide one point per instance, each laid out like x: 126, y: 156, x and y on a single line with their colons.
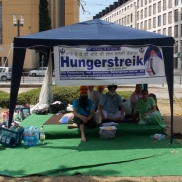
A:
x: 5, y: 117
x: 31, y: 136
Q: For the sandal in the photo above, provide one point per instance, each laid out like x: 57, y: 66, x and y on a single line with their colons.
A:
x: 177, y: 135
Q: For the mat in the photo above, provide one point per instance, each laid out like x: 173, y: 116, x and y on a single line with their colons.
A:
x: 131, y: 153
x: 54, y: 120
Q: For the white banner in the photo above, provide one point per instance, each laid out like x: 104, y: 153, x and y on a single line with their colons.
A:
x: 104, y: 65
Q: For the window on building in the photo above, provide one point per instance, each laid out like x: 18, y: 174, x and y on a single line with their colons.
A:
x: 154, y: 9
x: 150, y: 10
x: 159, y: 31
x: 141, y: 15
x: 159, y: 6
x: 128, y: 19
x: 125, y: 20
x: 5, y: 61
x: 176, y: 31
x: 145, y: 2
x: 181, y: 30
x: 170, y: 17
x: 176, y: 2
x: 137, y: 15
x: 141, y: 3
x: 159, y: 20
x: 1, y: 61
x: 176, y: 47
x: 164, y: 5
x: 176, y: 15
x: 145, y: 25
x: 150, y: 1
x: 141, y: 26
x: 170, y: 31
x: 149, y: 24
x: 131, y: 18
x: 154, y: 22
x: 164, y: 19
x: 145, y: 14
x: 138, y: 25
x: 120, y: 21
x: 164, y: 31
x: 169, y: 3
x: 138, y: 4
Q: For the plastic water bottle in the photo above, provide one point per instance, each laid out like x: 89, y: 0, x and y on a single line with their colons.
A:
x: 42, y: 135
x: 36, y: 130
x: 26, y: 136
x: 158, y: 137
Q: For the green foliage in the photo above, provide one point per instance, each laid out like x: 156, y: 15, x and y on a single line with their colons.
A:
x: 59, y: 94
x: 44, y: 19
x: 4, y: 99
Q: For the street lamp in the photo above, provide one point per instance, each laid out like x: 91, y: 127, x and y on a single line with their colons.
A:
x: 18, y: 23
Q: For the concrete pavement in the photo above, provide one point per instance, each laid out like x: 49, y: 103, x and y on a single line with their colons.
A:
x: 161, y: 90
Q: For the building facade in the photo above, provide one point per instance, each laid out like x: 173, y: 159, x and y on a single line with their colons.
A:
x: 158, y: 16
x: 62, y: 13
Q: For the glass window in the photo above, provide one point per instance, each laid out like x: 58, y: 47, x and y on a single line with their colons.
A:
x: 149, y: 23
x: 1, y: 61
x: 154, y: 9
x: 164, y: 19
x: 176, y: 2
x: 131, y: 18
x: 181, y: 30
x: 141, y: 14
x: 138, y: 15
x: 164, y: 31
x: 138, y: 25
x: 1, y: 37
x: 170, y: 17
x: 154, y: 22
x: 159, y: 6
x: 164, y: 5
x: 128, y: 18
x: 145, y: 25
x: 150, y: 10
x: 176, y: 31
x: 176, y: 15
x: 159, y: 20
x: 176, y: 48
x: 169, y: 3
x: 141, y: 26
x: 170, y: 31
x: 159, y: 31
x: 145, y: 14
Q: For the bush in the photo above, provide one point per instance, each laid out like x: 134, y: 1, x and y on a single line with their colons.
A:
x: 68, y: 94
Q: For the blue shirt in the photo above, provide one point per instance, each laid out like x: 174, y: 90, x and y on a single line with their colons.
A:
x: 111, y: 104
x: 90, y: 105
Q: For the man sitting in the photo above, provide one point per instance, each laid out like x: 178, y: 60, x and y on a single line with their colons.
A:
x: 109, y: 104
x: 83, y: 109
x: 100, y: 89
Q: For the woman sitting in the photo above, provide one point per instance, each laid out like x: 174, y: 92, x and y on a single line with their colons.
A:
x: 148, y: 114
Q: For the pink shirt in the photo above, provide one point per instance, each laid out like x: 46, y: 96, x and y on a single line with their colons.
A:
x: 134, y: 97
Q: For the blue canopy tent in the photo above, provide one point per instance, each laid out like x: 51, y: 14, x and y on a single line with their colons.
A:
x: 93, y: 32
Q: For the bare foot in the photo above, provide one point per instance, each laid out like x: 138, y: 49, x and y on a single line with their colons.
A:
x: 83, y: 139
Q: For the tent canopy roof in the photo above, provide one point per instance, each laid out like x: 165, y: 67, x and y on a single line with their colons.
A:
x: 93, y: 32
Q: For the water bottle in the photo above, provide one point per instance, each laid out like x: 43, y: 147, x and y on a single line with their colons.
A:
x: 26, y: 136
x: 37, y: 135
x: 158, y: 137
x: 42, y: 135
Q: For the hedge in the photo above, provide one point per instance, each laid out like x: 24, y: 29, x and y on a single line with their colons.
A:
x: 31, y: 97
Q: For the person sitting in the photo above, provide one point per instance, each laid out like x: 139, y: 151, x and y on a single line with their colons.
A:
x: 83, y: 109
x: 148, y: 114
x: 109, y: 104
x: 155, y: 98
x: 136, y: 95
x: 100, y: 89
x: 94, y: 96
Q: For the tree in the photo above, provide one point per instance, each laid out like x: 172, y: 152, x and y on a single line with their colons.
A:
x: 44, y: 19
